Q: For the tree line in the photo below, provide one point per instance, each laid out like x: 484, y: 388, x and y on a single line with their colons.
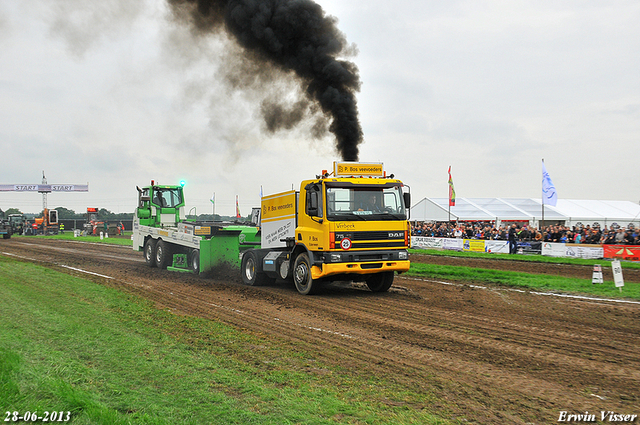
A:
x: 106, y: 215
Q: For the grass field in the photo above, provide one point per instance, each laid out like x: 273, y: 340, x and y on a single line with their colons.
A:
x: 528, y: 258
x: 118, y: 240
x: 71, y: 345
x: 107, y: 357
x: 526, y: 281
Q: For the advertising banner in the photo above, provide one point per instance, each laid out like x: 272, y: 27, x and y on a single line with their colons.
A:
x: 496, y: 247
x: 423, y: 242
x: 453, y: 244
x: 588, y: 252
x: 473, y: 245
x: 278, y: 218
x: 530, y: 247
x: 553, y: 249
x: 626, y: 252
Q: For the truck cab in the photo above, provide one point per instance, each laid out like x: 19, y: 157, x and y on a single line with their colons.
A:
x: 347, y: 225
x: 161, y: 206
x: 17, y: 222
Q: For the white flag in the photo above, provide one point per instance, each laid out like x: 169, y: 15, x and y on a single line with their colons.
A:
x: 549, y: 194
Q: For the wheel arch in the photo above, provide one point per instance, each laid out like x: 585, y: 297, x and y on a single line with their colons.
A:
x: 300, y: 249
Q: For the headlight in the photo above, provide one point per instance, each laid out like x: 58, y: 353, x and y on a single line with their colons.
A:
x: 403, y: 255
x: 335, y: 258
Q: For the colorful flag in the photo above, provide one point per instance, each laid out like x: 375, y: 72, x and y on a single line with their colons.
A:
x: 213, y: 198
x: 237, y: 208
x: 452, y: 191
x: 549, y: 194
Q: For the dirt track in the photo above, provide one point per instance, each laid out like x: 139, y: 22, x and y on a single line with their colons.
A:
x: 491, y: 355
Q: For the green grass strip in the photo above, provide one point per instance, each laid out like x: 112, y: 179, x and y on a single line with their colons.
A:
x: 108, y: 357
x: 68, y: 236
x: 524, y: 280
x: 526, y: 258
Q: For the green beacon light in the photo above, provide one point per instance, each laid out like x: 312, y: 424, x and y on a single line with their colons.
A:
x: 182, y: 183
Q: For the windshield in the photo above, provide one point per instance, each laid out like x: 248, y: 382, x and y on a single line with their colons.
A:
x: 367, y: 203
x: 16, y: 219
x: 166, y: 198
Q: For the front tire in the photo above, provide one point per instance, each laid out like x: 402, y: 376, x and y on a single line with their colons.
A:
x: 302, y: 275
x: 163, y: 254
x: 150, y: 252
x: 380, y: 282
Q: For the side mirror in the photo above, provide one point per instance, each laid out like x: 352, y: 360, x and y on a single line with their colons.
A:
x: 407, y: 199
x: 312, y: 203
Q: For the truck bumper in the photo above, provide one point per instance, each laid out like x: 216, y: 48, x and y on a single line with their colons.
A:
x: 332, y: 269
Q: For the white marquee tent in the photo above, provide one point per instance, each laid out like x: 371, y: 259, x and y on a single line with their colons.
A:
x: 570, y: 212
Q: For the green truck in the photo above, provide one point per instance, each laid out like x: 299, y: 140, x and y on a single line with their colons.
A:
x: 168, y: 239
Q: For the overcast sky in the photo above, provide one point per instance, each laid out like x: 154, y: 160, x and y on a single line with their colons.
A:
x: 115, y: 94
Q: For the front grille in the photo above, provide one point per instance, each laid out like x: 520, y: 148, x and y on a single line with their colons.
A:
x: 370, y: 257
x: 371, y: 235
x: 362, y: 245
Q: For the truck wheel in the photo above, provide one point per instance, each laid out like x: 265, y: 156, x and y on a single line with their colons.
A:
x: 195, y: 260
x: 250, y: 274
x: 302, y: 275
x: 164, y: 254
x: 150, y: 252
x: 380, y: 282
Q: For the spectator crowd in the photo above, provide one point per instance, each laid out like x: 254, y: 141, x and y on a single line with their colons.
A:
x: 522, y: 232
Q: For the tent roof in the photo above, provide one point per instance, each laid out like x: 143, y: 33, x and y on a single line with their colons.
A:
x: 505, y: 209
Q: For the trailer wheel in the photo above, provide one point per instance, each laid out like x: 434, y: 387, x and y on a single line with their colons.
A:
x: 164, y: 254
x: 380, y: 282
x: 150, y: 252
x: 250, y: 274
x: 302, y: 275
x: 195, y: 260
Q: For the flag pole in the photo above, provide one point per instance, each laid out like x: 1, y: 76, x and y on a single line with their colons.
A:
x: 450, y: 195
x: 449, y: 203
x: 542, y: 197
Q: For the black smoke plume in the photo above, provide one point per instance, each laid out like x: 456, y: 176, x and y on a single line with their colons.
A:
x: 295, y: 36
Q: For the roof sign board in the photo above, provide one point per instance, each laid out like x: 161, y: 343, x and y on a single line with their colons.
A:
x: 345, y: 169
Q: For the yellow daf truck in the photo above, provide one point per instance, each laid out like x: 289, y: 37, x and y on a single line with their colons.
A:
x: 350, y: 224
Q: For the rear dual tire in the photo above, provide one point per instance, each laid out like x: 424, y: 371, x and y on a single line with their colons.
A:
x: 194, y: 261
x: 164, y: 254
x: 150, y: 252
x: 250, y: 274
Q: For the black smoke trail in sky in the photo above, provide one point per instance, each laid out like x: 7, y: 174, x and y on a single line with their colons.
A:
x: 296, y: 36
